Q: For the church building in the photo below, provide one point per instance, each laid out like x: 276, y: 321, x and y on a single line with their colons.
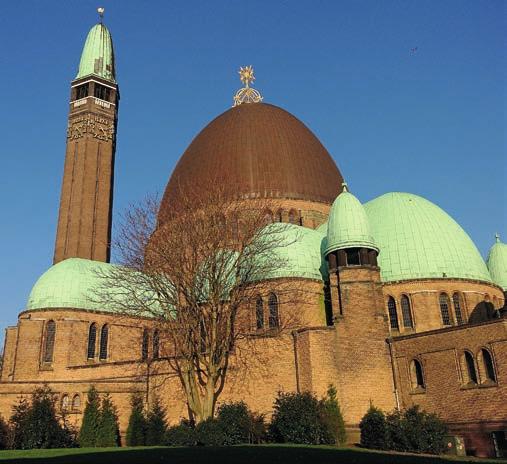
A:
x: 403, y: 308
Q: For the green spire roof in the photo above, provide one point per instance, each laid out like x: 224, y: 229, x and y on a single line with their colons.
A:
x: 348, y: 225
x: 419, y: 240
x: 98, y: 55
x: 497, y: 263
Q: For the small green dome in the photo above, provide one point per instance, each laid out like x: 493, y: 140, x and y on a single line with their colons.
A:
x: 98, y: 55
x: 497, y: 263
x: 419, y: 240
x: 69, y: 284
x: 348, y: 225
x: 301, y: 252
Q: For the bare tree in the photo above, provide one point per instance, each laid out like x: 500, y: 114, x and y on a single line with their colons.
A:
x: 197, y: 270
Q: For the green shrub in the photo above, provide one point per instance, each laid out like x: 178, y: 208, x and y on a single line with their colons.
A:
x: 4, y: 434
x: 373, y: 428
x: 155, y: 424
x: 210, y: 433
x: 416, y: 431
x: 332, y: 419
x: 296, y: 419
x: 136, y: 430
x: 108, y: 430
x: 258, y: 432
x: 88, y: 433
x: 235, y: 421
x: 180, y: 435
x: 35, y: 424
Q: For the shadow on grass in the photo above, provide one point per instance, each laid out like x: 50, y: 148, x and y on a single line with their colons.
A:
x: 232, y: 455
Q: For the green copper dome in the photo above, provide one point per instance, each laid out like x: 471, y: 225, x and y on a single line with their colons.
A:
x: 300, y: 251
x: 98, y: 55
x: 348, y: 225
x: 418, y: 240
x: 497, y: 263
x: 69, y: 284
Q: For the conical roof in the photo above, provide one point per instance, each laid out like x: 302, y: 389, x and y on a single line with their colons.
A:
x: 497, y: 263
x: 98, y: 55
x: 348, y: 225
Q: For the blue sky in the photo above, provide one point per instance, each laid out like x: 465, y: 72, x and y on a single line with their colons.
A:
x: 430, y: 122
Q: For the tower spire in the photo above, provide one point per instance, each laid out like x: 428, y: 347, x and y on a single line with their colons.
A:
x: 100, y: 11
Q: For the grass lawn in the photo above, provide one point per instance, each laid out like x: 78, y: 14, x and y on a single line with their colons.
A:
x: 260, y: 454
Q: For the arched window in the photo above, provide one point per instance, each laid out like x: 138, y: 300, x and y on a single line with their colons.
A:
x: 92, y: 338
x: 456, y: 300
x: 393, y: 315
x: 76, y: 402
x: 156, y: 344
x: 65, y: 402
x: 268, y: 217
x: 408, y: 323
x: 144, y: 345
x: 444, y: 309
x: 470, y: 371
x: 259, y: 313
x: 279, y: 215
x: 416, y: 374
x: 488, y: 368
x: 49, y: 342
x: 104, y: 336
x: 273, y: 310
x: 293, y: 217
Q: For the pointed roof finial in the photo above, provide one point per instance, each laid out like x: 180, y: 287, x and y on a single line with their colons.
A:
x: 345, y: 187
x: 247, y: 94
x: 100, y: 11
x: 497, y: 237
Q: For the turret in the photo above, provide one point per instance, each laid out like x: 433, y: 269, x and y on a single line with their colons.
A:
x: 497, y: 266
x: 84, y: 221
x: 358, y: 310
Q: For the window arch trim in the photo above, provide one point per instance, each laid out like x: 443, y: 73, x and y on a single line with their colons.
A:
x: 444, y: 303
x: 273, y: 309
x: 49, y: 342
x: 406, y: 311
x: 392, y: 313
x: 417, y: 374
x: 92, y: 341
x: 487, y: 369
x: 104, y: 342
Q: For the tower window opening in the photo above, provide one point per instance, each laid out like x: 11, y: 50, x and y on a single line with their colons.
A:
x: 102, y: 92
x: 416, y: 373
x: 293, y: 217
x: 457, y: 308
x: 82, y: 91
x: 259, y: 313
x: 92, y: 338
x: 273, y: 311
x: 488, y: 366
x: 408, y: 322
x: 49, y: 343
x: 444, y: 309
x: 353, y: 258
x: 104, y: 336
x: 156, y: 344
x: 144, y: 345
x: 393, y: 314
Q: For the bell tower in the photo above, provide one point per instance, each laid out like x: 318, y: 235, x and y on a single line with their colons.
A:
x: 85, y: 215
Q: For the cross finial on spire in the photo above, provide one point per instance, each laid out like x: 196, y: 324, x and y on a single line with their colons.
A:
x: 100, y: 11
x: 345, y: 187
x: 497, y: 237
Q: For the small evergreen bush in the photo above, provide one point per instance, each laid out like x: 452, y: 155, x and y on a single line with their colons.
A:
x: 258, y: 430
x: 332, y: 419
x: 137, y: 427
x: 88, y: 433
x: 36, y: 425
x: 235, y: 421
x: 108, y: 430
x: 296, y: 419
x: 373, y: 428
x: 155, y: 424
x: 210, y: 433
x: 181, y: 435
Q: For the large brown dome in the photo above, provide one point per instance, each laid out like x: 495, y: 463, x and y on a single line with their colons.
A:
x: 263, y: 151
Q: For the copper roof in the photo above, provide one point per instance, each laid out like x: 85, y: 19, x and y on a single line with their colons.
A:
x: 263, y: 151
